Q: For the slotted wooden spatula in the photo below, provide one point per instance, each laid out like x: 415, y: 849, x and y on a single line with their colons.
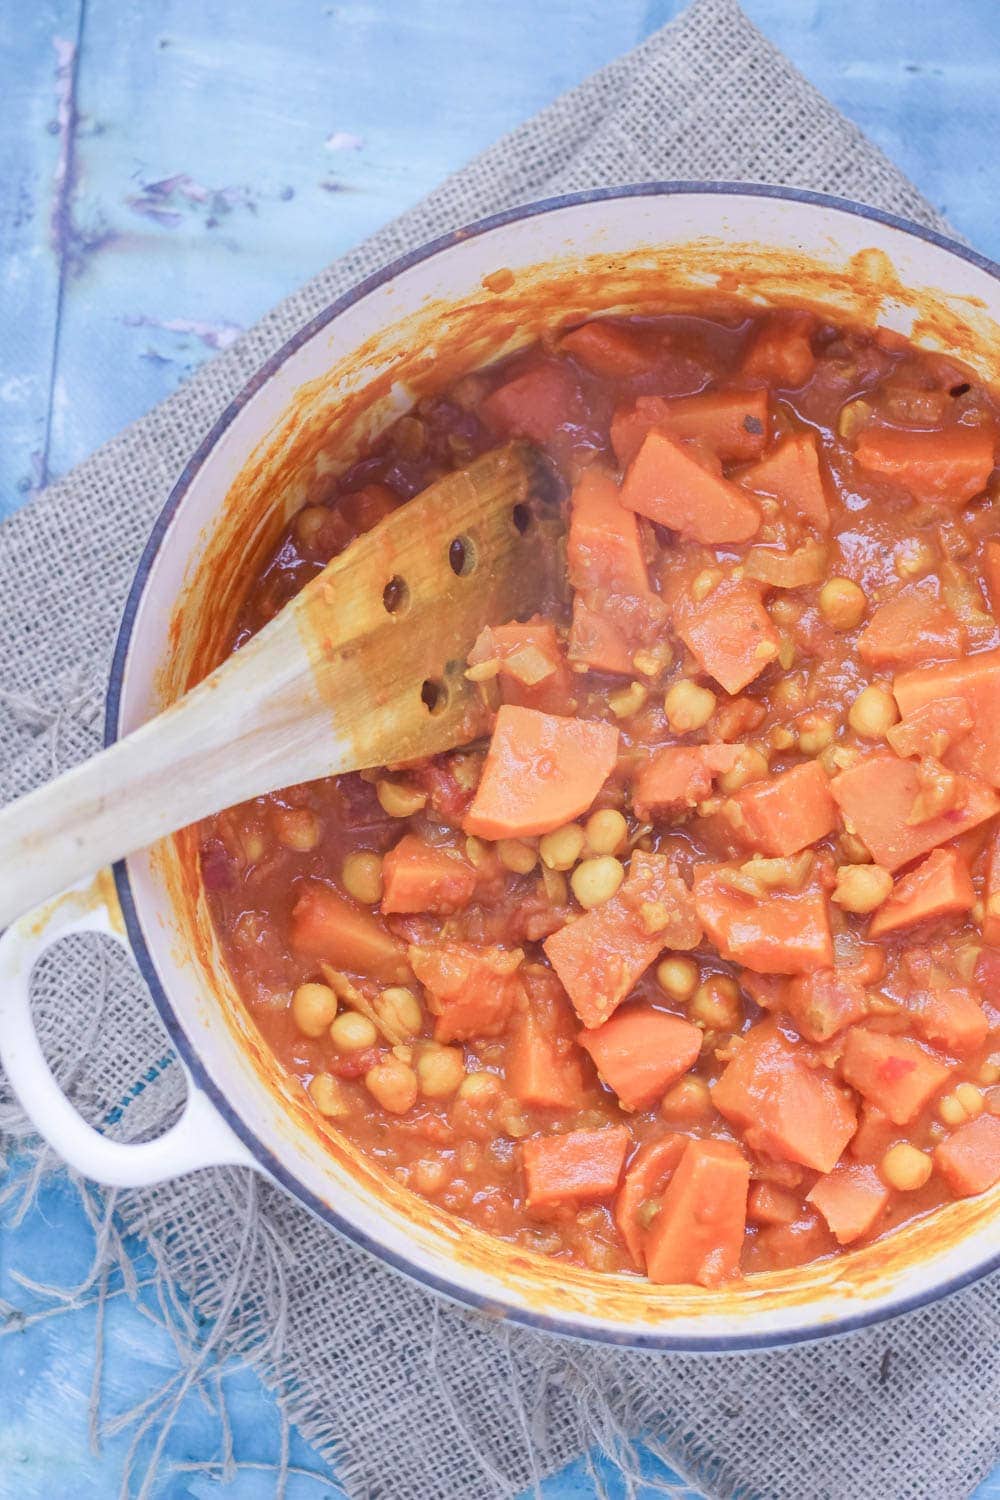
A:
x: 364, y: 667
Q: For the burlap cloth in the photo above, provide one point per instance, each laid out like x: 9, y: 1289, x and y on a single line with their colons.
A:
x: 408, y: 1397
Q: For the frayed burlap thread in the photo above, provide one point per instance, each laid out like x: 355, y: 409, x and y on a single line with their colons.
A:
x: 408, y: 1397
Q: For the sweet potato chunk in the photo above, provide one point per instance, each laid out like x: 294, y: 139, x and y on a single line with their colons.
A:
x: 969, y: 1159
x: 952, y: 1019
x: 609, y: 349
x: 916, y: 626
x: 785, y: 1107
x: 852, y: 1199
x: 603, y: 549
x: 976, y: 679
x: 666, y: 482
x: 786, y: 812
x: 536, y: 404
x: 951, y: 466
x: 418, y: 876
x: 645, y: 1180
x: 823, y: 1003
x: 541, y: 771
x: 543, y: 1061
x: 731, y: 424
x: 781, y: 350
x: 679, y: 776
x: 697, y: 1236
x: 472, y: 991
x: 932, y: 728
x: 783, y: 932
x: 877, y: 797
x: 640, y: 1052
x: 792, y: 475
x: 940, y: 886
x: 329, y: 926
x: 530, y: 666
x: 578, y: 1166
x: 597, y: 642
x: 730, y: 634
x: 601, y: 955
x: 898, y: 1075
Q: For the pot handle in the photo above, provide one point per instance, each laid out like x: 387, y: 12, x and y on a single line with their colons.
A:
x: 200, y: 1138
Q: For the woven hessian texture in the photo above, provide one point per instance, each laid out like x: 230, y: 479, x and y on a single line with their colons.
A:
x: 410, y: 1398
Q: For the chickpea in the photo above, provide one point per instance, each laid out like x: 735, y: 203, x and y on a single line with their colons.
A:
x: 970, y: 1098
x: 440, y: 1071
x: 297, y: 828
x: 816, y: 733
x: 479, y: 1088
x: 873, y: 713
x: 861, y: 888
x: 842, y: 603
x: 905, y: 1168
x: 989, y: 1073
x: 751, y: 766
x: 688, y: 706
x: 399, y: 801
x: 400, y: 1010
x: 429, y: 1177
x: 677, y: 976
x: 606, y: 832
x: 688, y: 1099
x: 628, y: 701
x: 518, y: 857
x: 351, y: 1032
x: 596, y: 880
x: 362, y: 877
x: 716, y: 1004
x: 951, y: 1110
x: 656, y: 661
x: 310, y: 522
x: 327, y: 1095
x: 561, y: 848
x: 393, y: 1085
x: 313, y: 1008
x: 914, y: 558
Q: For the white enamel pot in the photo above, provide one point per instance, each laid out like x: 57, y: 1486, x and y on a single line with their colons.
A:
x: 435, y: 313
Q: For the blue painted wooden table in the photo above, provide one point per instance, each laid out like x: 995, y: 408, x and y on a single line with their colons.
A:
x: 168, y: 170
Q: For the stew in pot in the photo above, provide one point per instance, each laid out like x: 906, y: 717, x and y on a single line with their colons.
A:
x: 693, y: 968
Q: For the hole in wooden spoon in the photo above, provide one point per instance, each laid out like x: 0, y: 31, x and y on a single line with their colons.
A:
x: 462, y: 556
x: 434, y: 696
x: 395, y: 595
x: 521, y: 516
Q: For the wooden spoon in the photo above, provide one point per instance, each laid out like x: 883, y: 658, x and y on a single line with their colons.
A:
x: 364, y: 667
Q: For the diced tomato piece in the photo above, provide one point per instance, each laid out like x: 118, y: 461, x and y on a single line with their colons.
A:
x: 952, y: 1019
x: 792, y: 475
x: 783, y: 933
x: 732, y: 424
x: 679, y: 776
x: 976, y: 679
x: 597, y: 642
x: 536, y: 404
x: 770, y: 1204
x: 932, y: 728
x: 951, y: 466
x: 533, y: 672
x: 915, y: 626
x: 418, y: 876
x: 781, y: 351
x: 645, y: 1180
x: 940, y: 886
x: 609, y: 349
x: 601, y: 955
x: 472, y: 991
x: 329, y: 926
x: 581, y: 1165
x: 543, y: 1061
x: 852, y: 1198
x: 823, y: 1003
x: 784, y: 813
x: 697, y: 1236
x: 969, y: 1158
x: 666, y: 482
x: 541, y: 771
x: 877, y: 795
x: 603, y: 549
x: 730, y: 634
x: 785, y: 1107
x: 640, y: 1052
x: 898, y: 1075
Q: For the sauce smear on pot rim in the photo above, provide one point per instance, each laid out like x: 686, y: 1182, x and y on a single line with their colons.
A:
x: 693, y: 969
